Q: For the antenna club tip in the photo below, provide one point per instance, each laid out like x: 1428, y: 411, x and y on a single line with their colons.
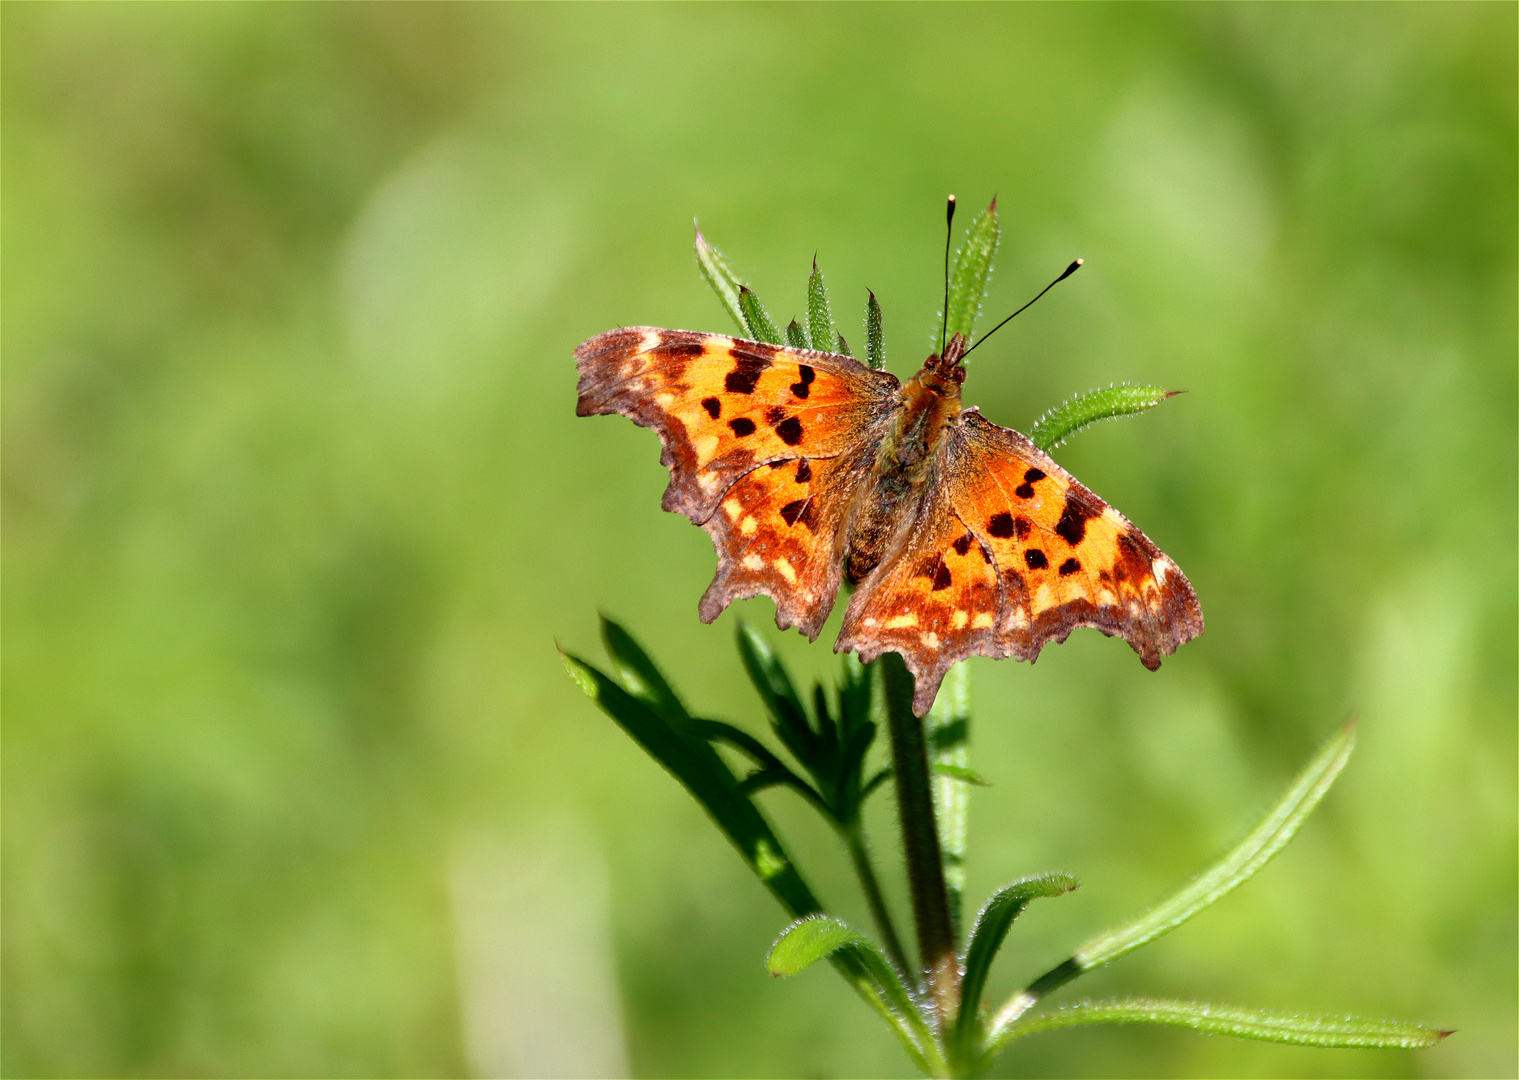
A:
x: 1081, y: 262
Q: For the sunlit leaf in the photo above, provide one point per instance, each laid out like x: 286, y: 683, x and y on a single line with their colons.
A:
x: 986, y: 937
x: 796, y: 337
x: 1301, y: 1029
x: 875, y: 344
x: 755, y: 318
x: 973, y: 269
x: 819, y: 318
x: 1084, y: 410
x: 714, y: 268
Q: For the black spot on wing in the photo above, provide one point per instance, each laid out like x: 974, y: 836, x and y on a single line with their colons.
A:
x: 800, y: 510
x: 745, y: 376
x: 1024, y: 490
x: 1072, y: 526
x: 942, y: 577
x: 963, y: 544
x: 1035, y: 559
x: 790, y: 430
x: 742, y: 426
x: 1033, y: 476
x: 1022, y: 526
x: 1001, y: 525
x: 803, y: 472
x: 1070, y: 566
x: 714, y: 407
x: 799, y: 388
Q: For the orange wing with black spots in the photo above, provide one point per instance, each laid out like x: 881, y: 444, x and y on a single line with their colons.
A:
x: 934, y: 598
x: 774, y: 436
x: 1064, y: 557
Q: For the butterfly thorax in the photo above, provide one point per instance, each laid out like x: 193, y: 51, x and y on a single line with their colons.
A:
x: 928, y: 406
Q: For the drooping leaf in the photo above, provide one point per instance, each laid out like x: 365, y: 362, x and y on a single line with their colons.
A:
x: 986, y: 937
x: 1301, y: 1029
x: 875, y: 344
x: 725, y: 283
x: 755, y: 318
x: 796, y: 337
x: 1084, y: 410
x: 973, y: 269
x: 819, y: 318
x: 816, y: 937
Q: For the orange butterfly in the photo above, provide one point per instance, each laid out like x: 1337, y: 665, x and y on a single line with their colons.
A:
x: 963, y: 537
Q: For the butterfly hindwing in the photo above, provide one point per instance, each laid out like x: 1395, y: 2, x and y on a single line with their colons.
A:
x: 934, y: 599
x: 1065, y: 558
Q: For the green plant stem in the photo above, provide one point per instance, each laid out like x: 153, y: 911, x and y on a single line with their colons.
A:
x: 920, y: 841
x: 859, y: 851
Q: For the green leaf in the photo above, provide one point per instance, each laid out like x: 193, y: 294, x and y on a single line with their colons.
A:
x: 1298, y: 1028
x: 875, y: 344
x: 992, y: 925
x: 777, y: 692
x: 843, y: 347
x: 637, y: 672
x: 759, y: 324
x: 965, y: 776
x: 723, y: 280
x: 1254, y: 851
x: 816, y: 937
x: 819, y: 318
x: 973, y: 269
x: 693, y: 761
x: 1084, y: 410
x: 796, y: 337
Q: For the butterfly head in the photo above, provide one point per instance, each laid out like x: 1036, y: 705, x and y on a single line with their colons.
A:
x: 943, y: 374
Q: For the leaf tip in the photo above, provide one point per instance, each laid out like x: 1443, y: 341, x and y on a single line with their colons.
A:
x: 1173, y: 393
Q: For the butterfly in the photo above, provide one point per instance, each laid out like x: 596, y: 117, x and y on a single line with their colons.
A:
x: 809, y: 469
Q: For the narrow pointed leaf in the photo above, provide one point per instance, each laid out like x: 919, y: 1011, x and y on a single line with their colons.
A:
x: 1301, y: 1029
x: 696, y: 765
x: 973, y: 269
x: 637, y: 672
x: 875, y: 343
x: 986, y: 937
x: 1257, y: 848
x: 1084, y: 410
x: 946, y: 729
x: 819, y: 318
x: 843, y: 347
x: 815, y: 937
x: 796, y: 337
x: 759, y: 324
x: 964, y: 776
x: 723, y: 280
x: 774, y: 685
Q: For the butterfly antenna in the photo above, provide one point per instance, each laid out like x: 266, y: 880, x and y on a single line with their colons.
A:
x: 949, y: 220
x: 1069, y: 270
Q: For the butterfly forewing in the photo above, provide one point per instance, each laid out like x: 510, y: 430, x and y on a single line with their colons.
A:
x: 765, y: 446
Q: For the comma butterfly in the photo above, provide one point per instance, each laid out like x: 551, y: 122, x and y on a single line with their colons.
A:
x: 807, y: 468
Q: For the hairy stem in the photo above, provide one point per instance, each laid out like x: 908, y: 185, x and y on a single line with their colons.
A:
x: 859, y: 851
x: 920, y: 841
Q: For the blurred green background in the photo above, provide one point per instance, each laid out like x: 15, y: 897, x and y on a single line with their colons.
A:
x: 296, y: 507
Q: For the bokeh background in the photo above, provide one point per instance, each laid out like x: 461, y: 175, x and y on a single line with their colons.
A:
x: 296, y: 507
